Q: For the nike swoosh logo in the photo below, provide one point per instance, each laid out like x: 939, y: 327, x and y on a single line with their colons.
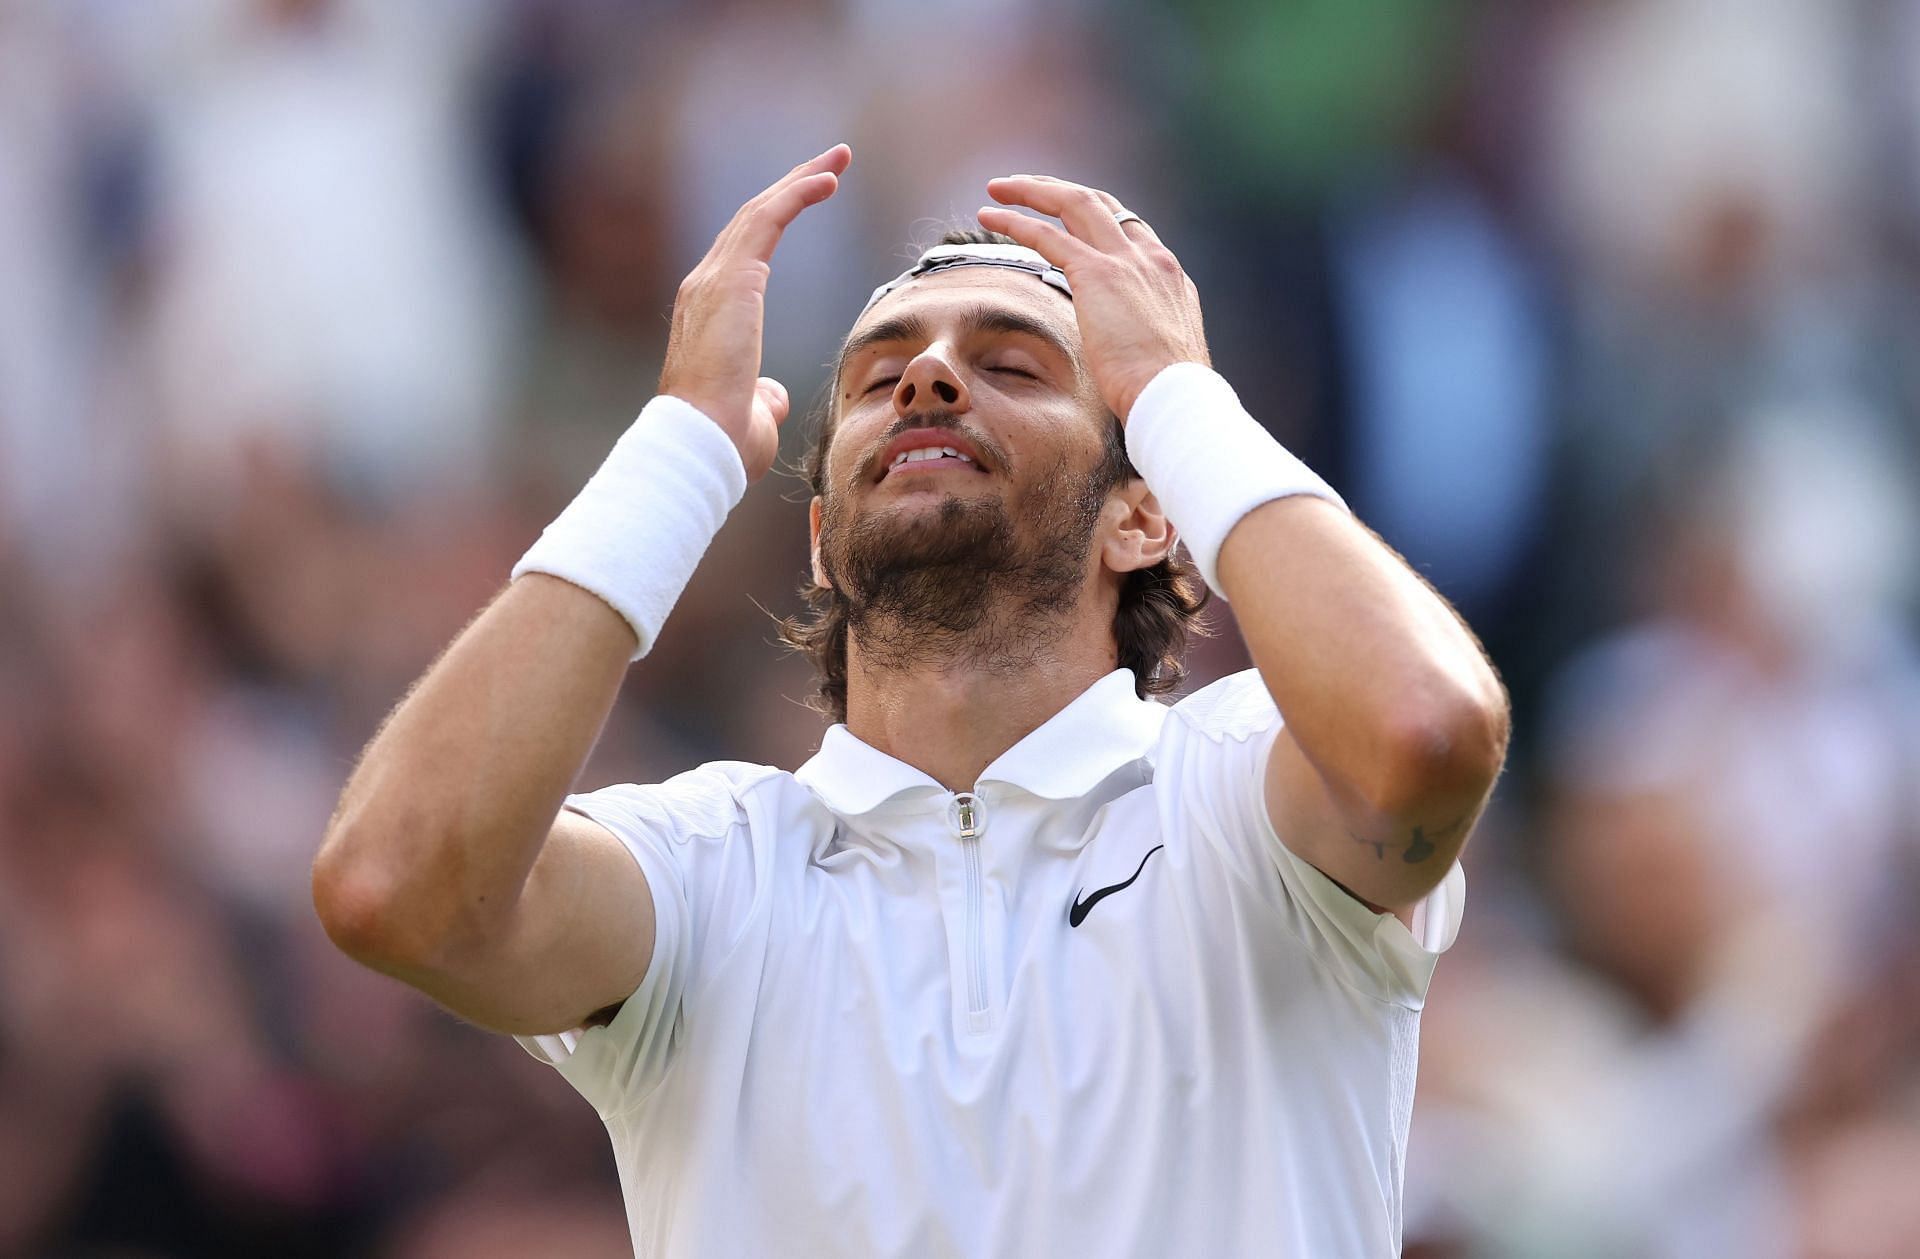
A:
x: 1082, y: 908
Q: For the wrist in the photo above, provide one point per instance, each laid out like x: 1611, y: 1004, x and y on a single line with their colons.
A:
x: 1129, y: 397
x: 1208, y: 461
x: 709, y: 408
x: 634, y: 534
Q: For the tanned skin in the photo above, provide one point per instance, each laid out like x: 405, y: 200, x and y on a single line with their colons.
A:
x: 449, y: 862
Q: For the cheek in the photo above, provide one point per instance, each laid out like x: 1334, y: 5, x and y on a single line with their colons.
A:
x: 1063, y: 449
x: 842, y: 457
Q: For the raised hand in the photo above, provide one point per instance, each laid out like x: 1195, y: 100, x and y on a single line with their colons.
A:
x: 1138, y: 310
x: 713, y: 351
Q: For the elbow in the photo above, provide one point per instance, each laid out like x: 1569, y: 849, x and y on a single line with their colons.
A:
x: 351, y: 912
x: 358, y: 909
x: 364, y: 906
x: 1445, y: 750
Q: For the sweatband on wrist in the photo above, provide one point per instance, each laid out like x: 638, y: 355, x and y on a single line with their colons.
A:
x: 635, y: 533
x: 1208, y: 461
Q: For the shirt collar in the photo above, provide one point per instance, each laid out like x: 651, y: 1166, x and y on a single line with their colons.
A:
x: 1104, y: 728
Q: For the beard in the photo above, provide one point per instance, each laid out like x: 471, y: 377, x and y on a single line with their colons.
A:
x: 962, y: 585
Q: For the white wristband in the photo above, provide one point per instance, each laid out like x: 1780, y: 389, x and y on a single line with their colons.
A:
x: 635, y: 533
x: 1208, y: 461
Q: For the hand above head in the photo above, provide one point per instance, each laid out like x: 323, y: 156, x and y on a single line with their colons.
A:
x: 1138, y: 310
x: 713, y: 350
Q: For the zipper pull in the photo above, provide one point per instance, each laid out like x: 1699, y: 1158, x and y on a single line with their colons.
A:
x: 967, y: 815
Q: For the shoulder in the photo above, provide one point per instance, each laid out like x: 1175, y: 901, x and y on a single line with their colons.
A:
x: 708, y: 801
x: 1234, y: 709
x: 1208, y: 767
x: 1208, y: 762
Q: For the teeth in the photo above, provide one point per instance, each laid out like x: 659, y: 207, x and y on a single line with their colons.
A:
x: 924, y: 453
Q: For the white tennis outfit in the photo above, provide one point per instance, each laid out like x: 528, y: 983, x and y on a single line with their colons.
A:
x: 1093, y: 1008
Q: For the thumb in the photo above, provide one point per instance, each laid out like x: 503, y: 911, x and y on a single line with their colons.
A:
x: 773, y: 395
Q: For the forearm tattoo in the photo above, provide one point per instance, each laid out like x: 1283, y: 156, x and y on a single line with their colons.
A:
x: 1417, y: 845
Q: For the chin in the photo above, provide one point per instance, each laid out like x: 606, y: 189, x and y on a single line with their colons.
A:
x: 919, y: 502
x: 929, y: 516
x: 927, y: 530
x: 916, y: 506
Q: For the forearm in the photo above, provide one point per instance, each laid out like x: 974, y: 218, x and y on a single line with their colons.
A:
x: 440, y: 824
x: 1390, y: 709
x: 1383, y: 688
x: 449, y: 862
x: 1395, y: 723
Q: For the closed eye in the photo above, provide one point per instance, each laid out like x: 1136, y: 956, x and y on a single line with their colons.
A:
x: 882, y: 383
x: 1015, y: 371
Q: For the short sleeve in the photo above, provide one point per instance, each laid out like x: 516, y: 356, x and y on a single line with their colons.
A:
x: 1220, y: 743
x: 665, y: 827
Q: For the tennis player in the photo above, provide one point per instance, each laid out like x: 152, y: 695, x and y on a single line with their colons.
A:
x: 1024, y: 961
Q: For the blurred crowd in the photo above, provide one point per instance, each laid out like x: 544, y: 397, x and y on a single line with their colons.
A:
x: 1606, y: 313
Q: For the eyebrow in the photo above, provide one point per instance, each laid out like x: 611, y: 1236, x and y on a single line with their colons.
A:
x: 975, y: 320
x: 898, y: 328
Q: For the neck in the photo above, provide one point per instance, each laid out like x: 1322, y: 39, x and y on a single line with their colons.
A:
x: 951, y: 714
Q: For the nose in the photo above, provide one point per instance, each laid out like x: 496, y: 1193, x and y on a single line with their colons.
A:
x: 930, y: 381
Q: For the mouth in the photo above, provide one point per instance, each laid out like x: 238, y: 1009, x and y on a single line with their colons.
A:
x: 924, y: 451
x: 928, y: 459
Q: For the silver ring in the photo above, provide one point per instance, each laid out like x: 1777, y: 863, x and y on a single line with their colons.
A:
x: 1124, y: 217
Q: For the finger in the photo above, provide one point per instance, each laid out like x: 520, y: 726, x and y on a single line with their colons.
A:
x: 1052, y: 243
x: 1079, y: 207
x: 1139, y: 231
x: 761, y: 230
x: 834, y: 160
x: 1108, y: 199
x: 774, y: 395
x: 777, y: 200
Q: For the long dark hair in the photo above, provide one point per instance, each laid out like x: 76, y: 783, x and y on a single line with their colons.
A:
x: 1159, y: 606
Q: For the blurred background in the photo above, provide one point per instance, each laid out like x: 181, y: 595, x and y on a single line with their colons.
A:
x: 1605, y: 312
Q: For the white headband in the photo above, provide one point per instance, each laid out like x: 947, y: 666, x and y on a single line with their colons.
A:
x: 940, y: 257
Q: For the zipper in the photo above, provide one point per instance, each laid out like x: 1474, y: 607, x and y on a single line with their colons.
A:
x: 967, y: 816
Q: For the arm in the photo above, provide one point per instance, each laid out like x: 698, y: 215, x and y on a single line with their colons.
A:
x: 1396, y: 726
x: 448, y: 862
x: 444, y: 864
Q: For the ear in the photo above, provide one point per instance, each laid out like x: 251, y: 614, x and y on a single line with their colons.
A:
x: 1140, y: 535
x: 813, y: 531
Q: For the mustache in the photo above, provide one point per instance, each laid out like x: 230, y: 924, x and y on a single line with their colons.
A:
x: 941, y: 418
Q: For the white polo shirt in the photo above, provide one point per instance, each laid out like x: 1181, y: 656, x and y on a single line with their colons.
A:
x: 1094, y: 1007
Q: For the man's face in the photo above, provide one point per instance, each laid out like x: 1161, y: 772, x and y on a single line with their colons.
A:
x: 984, y: 361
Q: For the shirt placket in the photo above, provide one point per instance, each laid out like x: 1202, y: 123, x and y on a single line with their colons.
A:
x: 976, y: 1002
